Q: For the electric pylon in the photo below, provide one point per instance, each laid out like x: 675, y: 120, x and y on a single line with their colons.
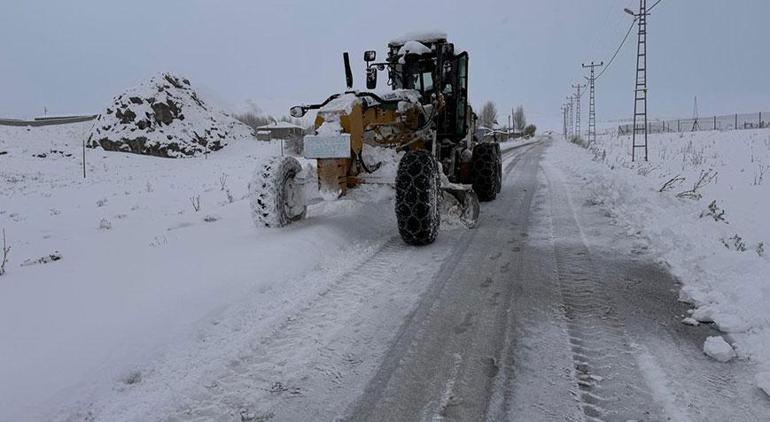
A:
x: 592, y: 101
x: 639, y: 133
x: 578, y: 96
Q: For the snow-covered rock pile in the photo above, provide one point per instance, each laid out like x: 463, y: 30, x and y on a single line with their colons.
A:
x: 165, y: 117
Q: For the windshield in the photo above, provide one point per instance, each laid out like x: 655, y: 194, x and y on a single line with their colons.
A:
x: 423, y: 81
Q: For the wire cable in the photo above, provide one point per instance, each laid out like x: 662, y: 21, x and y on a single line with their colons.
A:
x: 653, y: 6
x: 622, y: 43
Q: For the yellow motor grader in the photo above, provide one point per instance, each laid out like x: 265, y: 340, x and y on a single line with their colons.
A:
x: 425, y: 114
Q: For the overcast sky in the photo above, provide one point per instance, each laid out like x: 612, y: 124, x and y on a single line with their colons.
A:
x: 74, y: 56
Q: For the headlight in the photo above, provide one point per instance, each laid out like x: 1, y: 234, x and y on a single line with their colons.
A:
x: 297, y: 111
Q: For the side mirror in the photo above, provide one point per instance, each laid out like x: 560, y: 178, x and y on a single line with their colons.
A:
x: 297, y: 111
x: 371, y: 77
x: 370, y: 56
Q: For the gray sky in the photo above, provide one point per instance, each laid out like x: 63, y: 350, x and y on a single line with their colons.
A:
x: 74, y: 56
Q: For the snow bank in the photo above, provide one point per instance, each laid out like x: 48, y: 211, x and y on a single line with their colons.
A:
x: 701, y: 203
x: 165, y: 117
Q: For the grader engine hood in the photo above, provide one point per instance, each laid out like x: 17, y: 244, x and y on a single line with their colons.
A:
x: 341, y: 123
x: 346, y: 121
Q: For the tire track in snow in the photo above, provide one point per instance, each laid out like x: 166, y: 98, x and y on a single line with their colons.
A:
x: 444, y: 365
x: 610, y: 385
x: 320, y: 356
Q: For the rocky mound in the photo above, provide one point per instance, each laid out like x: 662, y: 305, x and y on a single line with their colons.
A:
x: 165, y: 117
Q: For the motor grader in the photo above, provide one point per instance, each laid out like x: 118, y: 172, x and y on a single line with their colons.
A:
x: 425, y: 114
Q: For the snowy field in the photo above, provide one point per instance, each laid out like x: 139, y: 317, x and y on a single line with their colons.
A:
x: 142, y: 273
x: 117, y: 279
x: 700, y: 204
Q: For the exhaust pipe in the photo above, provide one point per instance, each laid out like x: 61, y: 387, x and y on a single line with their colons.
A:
x: 348, y: 72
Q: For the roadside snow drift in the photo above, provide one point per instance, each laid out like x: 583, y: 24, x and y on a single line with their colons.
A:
x: 701, y: 203
x: 165, y: 117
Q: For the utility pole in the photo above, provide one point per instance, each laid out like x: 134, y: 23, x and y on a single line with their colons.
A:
x: 695, y: 125
x: 592, y: 100
x: 571, y: 127
x: 564, y: 110
x: 578, y: 96
x: 639, y: 133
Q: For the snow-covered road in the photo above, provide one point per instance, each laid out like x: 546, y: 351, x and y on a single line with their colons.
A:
x: 548, y: 310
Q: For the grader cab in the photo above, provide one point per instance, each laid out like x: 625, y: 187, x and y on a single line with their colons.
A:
x: 425, y: 114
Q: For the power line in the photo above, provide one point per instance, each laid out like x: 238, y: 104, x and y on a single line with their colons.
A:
x: 622, y: 43
x: 653, y: 6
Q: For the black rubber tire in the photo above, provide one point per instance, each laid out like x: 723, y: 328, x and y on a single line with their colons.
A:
x: 485, y: 171
x: 417, y: 198
x: 499, y: 168
x: 274, y: 178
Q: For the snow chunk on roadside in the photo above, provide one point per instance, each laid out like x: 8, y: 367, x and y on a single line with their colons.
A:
x: 763, y: 381
x: 690, y: 321
x: 730, y: 323
x: 718, y: 349
x: 704, y: 314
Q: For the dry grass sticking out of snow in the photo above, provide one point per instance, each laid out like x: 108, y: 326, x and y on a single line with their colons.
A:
x: 702, y: 202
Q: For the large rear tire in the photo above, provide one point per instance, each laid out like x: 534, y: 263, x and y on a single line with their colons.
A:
x: 276, y: 193
x: 417, y: 198
x: 486, y: 171
x: 499, y: 168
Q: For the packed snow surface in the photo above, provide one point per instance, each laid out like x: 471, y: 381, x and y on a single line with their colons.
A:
x: 718, y: 349
x: 165, y: 116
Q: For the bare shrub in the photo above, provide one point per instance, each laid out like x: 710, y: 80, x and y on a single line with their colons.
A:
x: 196, y: 202
x: 6, y: 251
x: 223, y: 181
x: 759, y: 173
x: 706, y: 177
x: 672, y: 183
x: 714, y: 211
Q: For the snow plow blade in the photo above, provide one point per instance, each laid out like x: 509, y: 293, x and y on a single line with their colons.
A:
x: 463, y: 203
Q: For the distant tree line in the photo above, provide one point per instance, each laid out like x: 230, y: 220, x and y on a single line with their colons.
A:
x: 488, y: 119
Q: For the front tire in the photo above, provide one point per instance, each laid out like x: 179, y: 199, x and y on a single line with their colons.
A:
x: 276, y: 193
x: 486, y: 171
x: 417, y: 198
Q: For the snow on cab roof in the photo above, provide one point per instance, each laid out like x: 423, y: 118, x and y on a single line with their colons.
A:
x: 422, y: 36
x: 413, y: 47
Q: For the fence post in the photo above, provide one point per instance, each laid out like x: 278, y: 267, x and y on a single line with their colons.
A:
x: 678, y: 125
x: 760, y: 120
x: 736, y: 121
x: 715, y: 122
